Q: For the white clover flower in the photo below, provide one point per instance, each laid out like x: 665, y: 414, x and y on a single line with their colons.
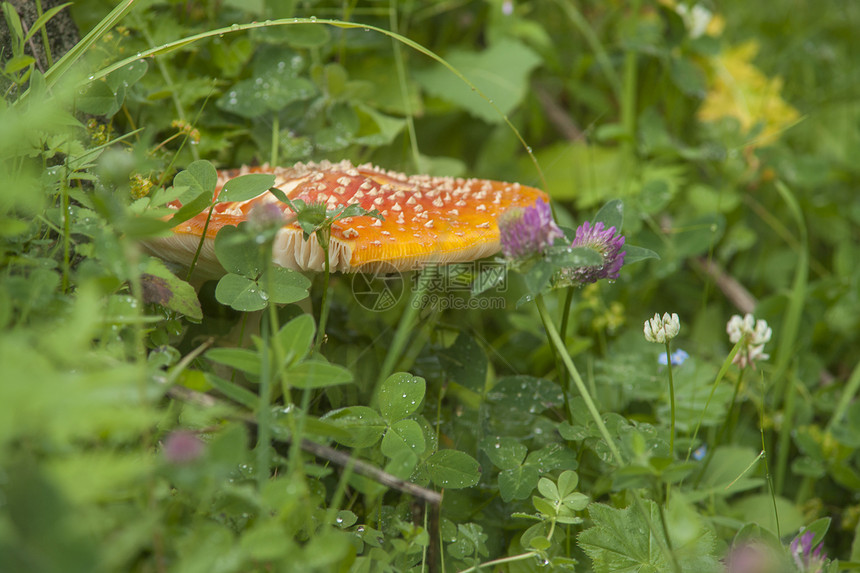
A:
x: 663, y: 329
x: 757, y: 333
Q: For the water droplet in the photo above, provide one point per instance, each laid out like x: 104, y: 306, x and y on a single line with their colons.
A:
x: 234, y: 27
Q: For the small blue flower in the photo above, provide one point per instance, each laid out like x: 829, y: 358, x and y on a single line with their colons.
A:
x: 700, y: 452
x: 678, y: 358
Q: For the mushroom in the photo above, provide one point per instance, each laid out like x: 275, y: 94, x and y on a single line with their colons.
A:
x: 426, y: 219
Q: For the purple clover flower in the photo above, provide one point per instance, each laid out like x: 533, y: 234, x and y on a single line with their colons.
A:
x: 807, y: 559
x: 182, y: 447
x: 527, y: 231
x: 604, y: 241
x: 752, y: 558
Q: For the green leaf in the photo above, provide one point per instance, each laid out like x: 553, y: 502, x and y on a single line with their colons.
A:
x: 553, y: 457
x: 240, y: 293
x: 538, y: 276
x: 634, y: 254
x: 505, y: 453
x: 544, y: 506
x: 400, y: 395
x: 267, y: 540
x: 488, y: 277
x: 622, y: 540
x: 96, y: 99
x: 501, y: 72
x: 566, y: 257
x: 13, y: 22
x: 127, y: 76
x: 191, y: 208
x: 364, y: 425
x: 526, y: 394
x: 246, y: 187
x: 518, y: 483
x: 567, y: 483
x: 18, y: 63
x: 688, y: 77
x: 405, y: 435
x: 286, y: 286
x: 760, y: 509
x: 233, y: 391
x: 818, y: 528
x: 256, y: 97
x: 548, y: 489
x: 317, y: 374
x: 576, y: 501
x: 611, y: 215
x: 465, y: 362
x: 199, y: 177
x: 238, y: 358
x: 296, y: 337
x: 238, y: 254
x: 163, y: 287
x: 453, y: 469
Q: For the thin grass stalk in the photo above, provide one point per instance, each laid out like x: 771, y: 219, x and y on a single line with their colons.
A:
x: 577, y: 379
x: 722, y: 372
x: 851, y: 388
x: 671, y: 399
x: 49, y: 60
x: 768, y: 475
x: 276, y: 137
x: 324, y: 304
x: 64, y: 64
x: 404, y: 88
x: 264, y: 423
x: 404, y: 329
x: 200, y: 242
x: 789, y: 335
x: 600, y: 53
x: 731, y: 415
x: 628, y: 97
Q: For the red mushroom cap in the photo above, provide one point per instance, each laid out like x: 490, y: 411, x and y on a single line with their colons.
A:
x: 427, y: 219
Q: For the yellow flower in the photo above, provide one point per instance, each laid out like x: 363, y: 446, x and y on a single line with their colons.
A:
x: 741, y: 90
